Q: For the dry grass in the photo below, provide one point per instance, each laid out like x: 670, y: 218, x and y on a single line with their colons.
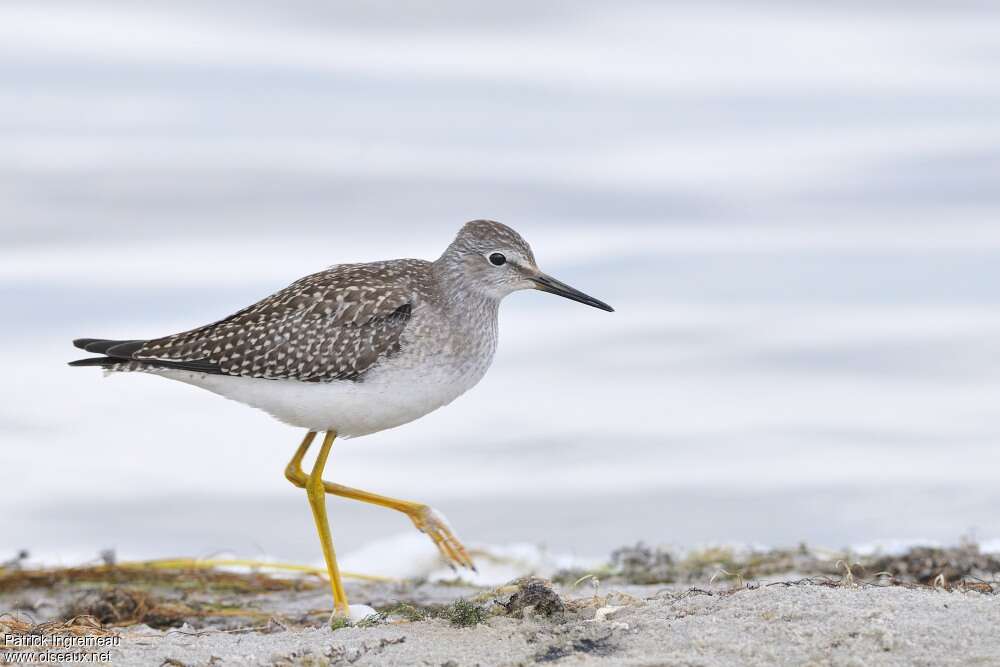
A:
x: 171, y: 593
x: 78, y: 626
x: 161, y: 594
x: 955, y: 568
x: 124, y: 606
x: 187, y: 575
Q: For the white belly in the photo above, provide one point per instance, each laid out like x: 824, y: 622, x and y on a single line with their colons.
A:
x: 381, y: 401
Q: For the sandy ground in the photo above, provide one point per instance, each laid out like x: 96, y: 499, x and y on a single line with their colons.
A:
x: 785, y: 620
x: 797, y: 625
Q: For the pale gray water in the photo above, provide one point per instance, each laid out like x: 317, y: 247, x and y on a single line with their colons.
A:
x: 793, y: 207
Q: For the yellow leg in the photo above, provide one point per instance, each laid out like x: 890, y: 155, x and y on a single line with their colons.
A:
x: 317, y: 500
x: 423, y: 516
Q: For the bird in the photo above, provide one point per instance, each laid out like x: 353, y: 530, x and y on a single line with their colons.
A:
x: 352, y: 350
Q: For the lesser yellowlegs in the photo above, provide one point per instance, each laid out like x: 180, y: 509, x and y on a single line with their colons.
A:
x: 356, y: 349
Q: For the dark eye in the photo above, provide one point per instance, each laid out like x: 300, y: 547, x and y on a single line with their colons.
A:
x: 496, y: 259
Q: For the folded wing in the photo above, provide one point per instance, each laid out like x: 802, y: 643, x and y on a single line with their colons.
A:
x: 332, y: 325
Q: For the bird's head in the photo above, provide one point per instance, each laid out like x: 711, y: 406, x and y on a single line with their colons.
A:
x: 493, y: 259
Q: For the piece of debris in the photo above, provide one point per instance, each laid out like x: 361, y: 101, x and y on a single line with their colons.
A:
x: 533, y: 593
x: 124, y: 606
x: 596, y: 646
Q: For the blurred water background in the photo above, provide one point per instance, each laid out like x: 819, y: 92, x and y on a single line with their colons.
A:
x: 793, y: 207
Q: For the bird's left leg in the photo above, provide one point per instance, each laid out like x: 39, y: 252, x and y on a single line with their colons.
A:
x: 424, y: 517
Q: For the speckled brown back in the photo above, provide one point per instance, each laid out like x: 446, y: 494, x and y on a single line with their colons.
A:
x: 331, y: 325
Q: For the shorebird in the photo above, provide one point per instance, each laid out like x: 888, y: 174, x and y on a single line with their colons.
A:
x: 353, y: 350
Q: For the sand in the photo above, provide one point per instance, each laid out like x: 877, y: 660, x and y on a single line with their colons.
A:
x: 803, y: 623
x: 798, y: 625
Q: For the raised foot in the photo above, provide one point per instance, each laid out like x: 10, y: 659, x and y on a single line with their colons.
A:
x: 432, y: 523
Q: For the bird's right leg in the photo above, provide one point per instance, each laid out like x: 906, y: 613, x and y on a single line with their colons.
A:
x: 313, y: 484
x: 424, y: 517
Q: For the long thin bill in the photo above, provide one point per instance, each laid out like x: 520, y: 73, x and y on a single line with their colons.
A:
x: 547, y: 283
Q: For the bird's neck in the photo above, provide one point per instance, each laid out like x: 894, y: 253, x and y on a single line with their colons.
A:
x: 465, y: 303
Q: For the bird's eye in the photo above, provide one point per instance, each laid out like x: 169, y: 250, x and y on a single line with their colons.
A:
x: 496, y: 259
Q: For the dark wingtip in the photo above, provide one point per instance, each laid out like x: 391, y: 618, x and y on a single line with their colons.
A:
x: 82, y: 343
x: 113, y: 348
x: 92, y: 361
x: 125, y: 348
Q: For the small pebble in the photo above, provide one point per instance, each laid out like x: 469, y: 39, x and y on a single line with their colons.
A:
x: 357, y: 612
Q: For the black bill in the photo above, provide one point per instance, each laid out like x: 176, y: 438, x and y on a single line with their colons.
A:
x: 553, y: 286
